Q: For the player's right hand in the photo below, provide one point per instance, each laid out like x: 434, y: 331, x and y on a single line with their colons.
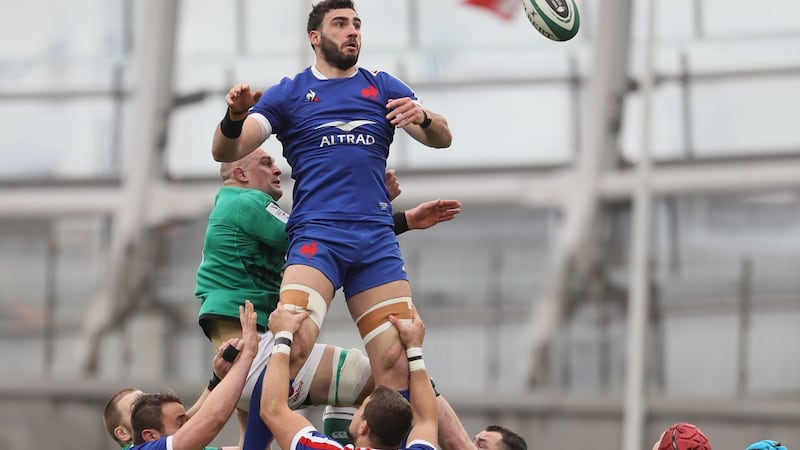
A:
x: 219, y: 365
x: 240, y: 99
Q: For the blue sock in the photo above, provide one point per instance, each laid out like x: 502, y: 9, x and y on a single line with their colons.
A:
x: 405, y: 393
x: 256, y: 435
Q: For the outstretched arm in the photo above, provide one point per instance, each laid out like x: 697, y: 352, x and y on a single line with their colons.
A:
x: 425, y: 215
x: 423, y: 399
x: 207, y: 422
x: 237, y: 134
x: 427, y: 127
x: 219, y: 368
x: 282, y: 421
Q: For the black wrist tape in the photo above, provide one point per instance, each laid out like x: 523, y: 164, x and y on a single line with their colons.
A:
x: 231, y: 129
x: 400, y: 222
x: 213, y: 382
x: 283, y: 340
x: 230, y: 353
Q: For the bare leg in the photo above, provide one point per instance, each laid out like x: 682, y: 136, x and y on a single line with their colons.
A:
x: 386, y: 353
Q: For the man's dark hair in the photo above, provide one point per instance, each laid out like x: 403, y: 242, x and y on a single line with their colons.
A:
x: 112, y: 416
x: 320, y: 9
x: 147, y: 413
x: 388, y: 415
x: 511, y: 440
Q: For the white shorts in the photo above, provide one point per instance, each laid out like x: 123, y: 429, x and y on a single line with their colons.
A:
x: 301, y: 384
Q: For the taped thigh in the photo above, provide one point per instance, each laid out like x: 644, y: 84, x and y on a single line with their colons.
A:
x: 375, y: 320
x: 299, y: 298
x: 349, y: 374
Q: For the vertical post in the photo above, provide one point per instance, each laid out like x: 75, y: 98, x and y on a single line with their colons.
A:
x: 639, y: 285
x: 153, y: 94
x: 745, y: 303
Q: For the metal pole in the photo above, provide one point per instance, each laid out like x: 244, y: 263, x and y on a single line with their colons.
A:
x: 634, y: 412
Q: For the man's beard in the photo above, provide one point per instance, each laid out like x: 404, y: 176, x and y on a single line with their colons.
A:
x: 336, y: 57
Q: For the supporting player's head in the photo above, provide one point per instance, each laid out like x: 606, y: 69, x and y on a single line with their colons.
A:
x: 257, y: 170
x: 334, y: 30
x: 117, y: 415
x: 384, y: 418
x: 682, y: 436
x: 495, y: 437
x: 766, y: 444
x: 155, y: 416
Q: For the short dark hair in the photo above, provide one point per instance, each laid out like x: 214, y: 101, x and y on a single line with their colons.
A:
x: 147, y: 413
x: 388, y: 415
x: 112, y: 416
x: 320, y: 9
x: 511, y: 440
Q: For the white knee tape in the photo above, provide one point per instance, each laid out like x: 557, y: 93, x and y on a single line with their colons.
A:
x: 304, y: 298
x: 350, y: 374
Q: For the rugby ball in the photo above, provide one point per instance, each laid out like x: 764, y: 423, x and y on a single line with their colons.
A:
x: 558, y: 20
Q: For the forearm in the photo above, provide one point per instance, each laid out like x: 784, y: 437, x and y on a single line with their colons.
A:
x: 275, y: 394
x: 223, y: 399
x: 438, y: 133
x: 422, y: 396
x: 197, y: 404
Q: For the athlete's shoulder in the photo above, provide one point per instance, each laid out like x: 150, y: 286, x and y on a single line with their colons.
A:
x: 310, y: 438
x: 420, y: 444
x: 159, y: 444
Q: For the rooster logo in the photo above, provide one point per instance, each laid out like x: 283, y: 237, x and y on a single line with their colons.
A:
x: 309, y: 250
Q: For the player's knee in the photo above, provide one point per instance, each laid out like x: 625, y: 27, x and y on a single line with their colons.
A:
x: 350, y: 374
x: 375, y: 320
x: 298, y: 297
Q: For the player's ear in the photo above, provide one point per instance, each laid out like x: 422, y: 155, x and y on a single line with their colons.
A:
x: 149, y: 434
x: 122, y: 434
x: 239, y: 174
x: 313, y: 37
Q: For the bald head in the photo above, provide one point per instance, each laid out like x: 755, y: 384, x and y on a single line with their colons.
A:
x: 257, y: 170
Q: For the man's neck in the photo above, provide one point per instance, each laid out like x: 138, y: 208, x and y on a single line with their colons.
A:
x: 329, y: 71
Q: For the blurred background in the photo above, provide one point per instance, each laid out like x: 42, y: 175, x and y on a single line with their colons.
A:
x: 628, y: 255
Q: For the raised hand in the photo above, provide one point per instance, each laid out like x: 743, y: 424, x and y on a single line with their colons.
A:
x: 392, y: 184
x: 428, y: 214
x: 412, y: 332
x: 250, y: 338
x: 241, y: 98
x: 285, y: 319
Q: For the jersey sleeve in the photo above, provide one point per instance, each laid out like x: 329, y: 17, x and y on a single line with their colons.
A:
x: 309, y: 438
x: 270, y: 105
x: 420, y: 444
x: 263, y: 222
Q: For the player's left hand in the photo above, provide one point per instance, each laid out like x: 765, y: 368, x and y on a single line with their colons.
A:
x: 428, y: 214
x: 392, y: 184
x: 283, y: 319
x: 404, y: 111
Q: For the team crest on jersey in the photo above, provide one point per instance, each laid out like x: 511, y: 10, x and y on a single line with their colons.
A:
x: 277, y: 212
x: 311, y: 96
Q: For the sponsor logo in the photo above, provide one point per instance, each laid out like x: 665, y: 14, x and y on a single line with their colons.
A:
x: 309, y: 250
x: 352, y: 139
x: 560, y: 7
x: 277, y: 212
x: 345, y: 126
x: 370, y: 92
x: 294, y: 394
x: 311, y: 96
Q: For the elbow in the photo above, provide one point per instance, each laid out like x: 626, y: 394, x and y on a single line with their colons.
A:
x: 445, y: 142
